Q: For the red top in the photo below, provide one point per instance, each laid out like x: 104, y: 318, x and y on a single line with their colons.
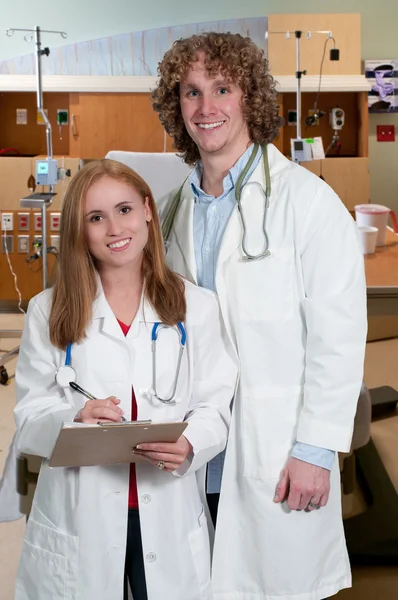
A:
x: 133, y: 493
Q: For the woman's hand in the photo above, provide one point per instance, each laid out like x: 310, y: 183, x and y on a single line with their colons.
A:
x: 100, y: 410
x: 169, y: 454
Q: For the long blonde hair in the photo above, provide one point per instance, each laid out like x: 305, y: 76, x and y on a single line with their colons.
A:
x: 75, y: 285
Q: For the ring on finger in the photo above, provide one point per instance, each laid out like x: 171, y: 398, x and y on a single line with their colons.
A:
x: 312, y: 505
x: 160, y: 464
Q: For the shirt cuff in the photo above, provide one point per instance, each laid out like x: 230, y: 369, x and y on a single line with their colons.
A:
x: 320, y: 457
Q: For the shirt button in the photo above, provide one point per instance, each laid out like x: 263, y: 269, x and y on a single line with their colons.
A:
x: 151, y: 557
x: 146, y: 498
x: 214, y: 208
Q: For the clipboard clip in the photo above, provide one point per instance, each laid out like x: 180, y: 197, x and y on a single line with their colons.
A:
x: 121, y: 423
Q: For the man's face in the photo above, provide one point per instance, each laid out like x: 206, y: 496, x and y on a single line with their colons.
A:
x: 212, y: 112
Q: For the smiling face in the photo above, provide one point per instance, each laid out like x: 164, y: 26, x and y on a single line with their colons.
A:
x: 115, y: 223
x: 212, y: 111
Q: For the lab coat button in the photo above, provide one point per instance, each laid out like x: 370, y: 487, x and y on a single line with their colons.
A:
x: 146, y: 498
x: 151, y: 557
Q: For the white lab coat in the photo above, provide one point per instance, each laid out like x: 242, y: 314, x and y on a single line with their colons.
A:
x: 297, y: 320
x: 76, y: 535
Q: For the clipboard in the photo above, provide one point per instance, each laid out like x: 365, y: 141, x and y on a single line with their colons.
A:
x: 83, y: 445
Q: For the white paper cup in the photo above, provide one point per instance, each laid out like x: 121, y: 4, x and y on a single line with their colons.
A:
x: 368, y: 238
x: 373, y: 215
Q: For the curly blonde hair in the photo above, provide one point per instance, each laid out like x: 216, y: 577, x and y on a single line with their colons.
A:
x: 240, y: 60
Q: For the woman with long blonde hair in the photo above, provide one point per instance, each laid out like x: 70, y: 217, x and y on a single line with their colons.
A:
x: 94, y: 530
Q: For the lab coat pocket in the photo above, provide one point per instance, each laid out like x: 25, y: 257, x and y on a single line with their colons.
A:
x: 48, y: 566
x: 270, y: 428
x: 200, y: 549
x: 264, y: 288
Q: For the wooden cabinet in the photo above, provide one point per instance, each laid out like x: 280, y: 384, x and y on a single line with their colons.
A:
x: 348, y: 177
x: 120, y: 121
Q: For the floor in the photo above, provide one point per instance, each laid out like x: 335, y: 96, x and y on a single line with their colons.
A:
x: 368, y: 583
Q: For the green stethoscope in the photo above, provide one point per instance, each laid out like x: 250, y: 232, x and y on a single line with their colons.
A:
x: 169, y: 217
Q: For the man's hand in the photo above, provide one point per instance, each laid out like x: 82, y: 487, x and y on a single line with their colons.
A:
x: 301, y: 484
x: 172, y: 454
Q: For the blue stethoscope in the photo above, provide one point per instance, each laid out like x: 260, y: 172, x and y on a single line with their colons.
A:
x: 67, y: 373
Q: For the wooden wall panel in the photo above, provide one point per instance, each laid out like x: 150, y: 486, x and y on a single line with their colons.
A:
x: 14, y: 175
x: 105, y: 122
x: 363, y: 124
x: 346, y: 29
x: 30, y: 139
x: 348, y: 177
x: 327, y: 100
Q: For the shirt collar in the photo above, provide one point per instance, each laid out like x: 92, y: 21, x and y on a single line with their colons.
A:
x: 230, y: 179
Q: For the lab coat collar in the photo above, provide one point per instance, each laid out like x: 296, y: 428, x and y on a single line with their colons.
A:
x: 183, y: 227
x: 110, y: 326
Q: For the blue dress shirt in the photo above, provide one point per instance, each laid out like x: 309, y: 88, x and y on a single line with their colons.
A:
x: 211, y: 216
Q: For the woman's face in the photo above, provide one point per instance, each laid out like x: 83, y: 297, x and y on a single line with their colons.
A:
x: 115, y: 223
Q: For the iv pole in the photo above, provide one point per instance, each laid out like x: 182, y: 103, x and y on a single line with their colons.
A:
x: 299, y: 73
x: 46, y: 199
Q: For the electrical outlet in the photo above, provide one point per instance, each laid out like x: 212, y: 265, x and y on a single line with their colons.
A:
x: 37, y: 221
x: 55, y: 221
x: 23, y: 221
x: 23, y: 244
x: 7, y: 240
x: 37, y: 239
x: 7, y: 221
x: 54, y: 241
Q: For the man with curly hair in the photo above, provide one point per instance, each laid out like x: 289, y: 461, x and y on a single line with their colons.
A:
x: 292, y: 293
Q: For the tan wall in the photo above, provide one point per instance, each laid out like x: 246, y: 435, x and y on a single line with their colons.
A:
x: 346, y: 30
x: 383, y: 160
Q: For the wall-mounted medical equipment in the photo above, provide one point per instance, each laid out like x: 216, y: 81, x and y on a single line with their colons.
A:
x: 47, y: 172
x: 337, y: 118
x: 300, y: 150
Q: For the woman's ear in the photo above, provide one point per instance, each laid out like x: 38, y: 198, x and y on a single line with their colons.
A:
x: 147, y: 209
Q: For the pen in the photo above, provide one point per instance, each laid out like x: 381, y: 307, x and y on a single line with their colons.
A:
x: 83, y: 392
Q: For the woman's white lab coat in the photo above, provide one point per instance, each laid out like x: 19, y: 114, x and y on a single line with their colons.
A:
x: 75, y: 541
x: 297, y: 320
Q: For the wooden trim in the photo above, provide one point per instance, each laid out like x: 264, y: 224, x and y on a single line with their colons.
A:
x: 75, y: 144
x: 114, y: 84
x: 363, y: 124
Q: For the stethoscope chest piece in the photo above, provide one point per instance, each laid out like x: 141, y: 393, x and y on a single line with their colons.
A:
x: 65, y: 375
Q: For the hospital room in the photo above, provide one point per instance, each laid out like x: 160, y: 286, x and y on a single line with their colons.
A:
x: 198, y: 300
